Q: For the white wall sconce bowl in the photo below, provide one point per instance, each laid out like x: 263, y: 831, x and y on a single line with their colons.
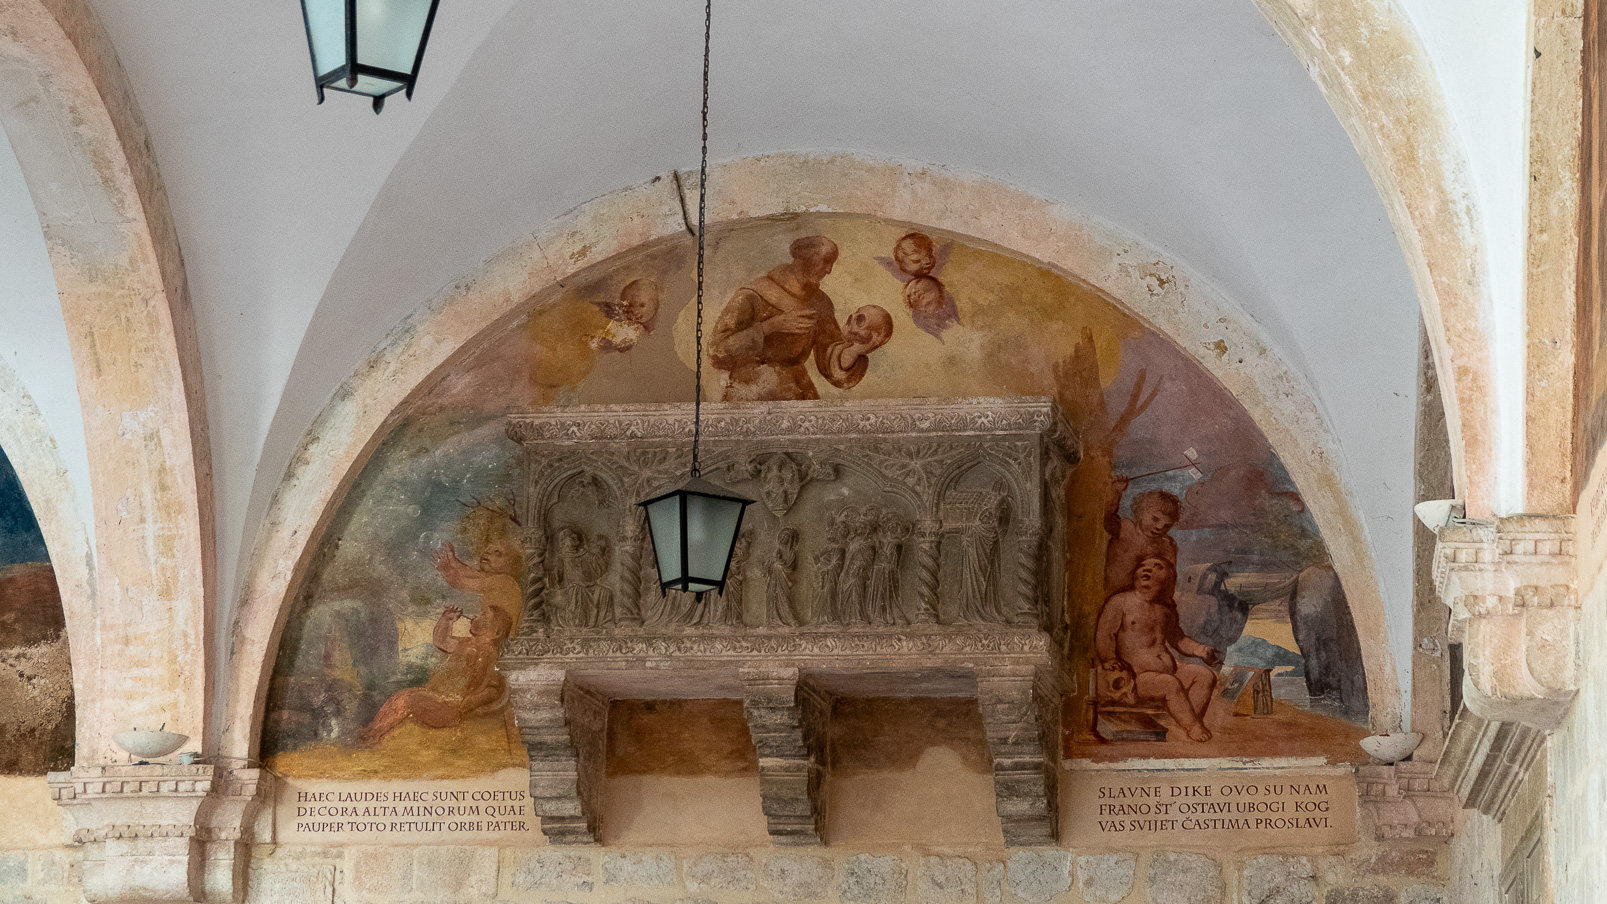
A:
x: 1390, y: 748
x: 148, y: 744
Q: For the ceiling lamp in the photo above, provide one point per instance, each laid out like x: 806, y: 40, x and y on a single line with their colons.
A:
x: 368, y: 47
x: 694, y: 528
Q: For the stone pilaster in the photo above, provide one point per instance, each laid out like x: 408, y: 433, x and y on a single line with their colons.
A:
x: 555, y: 760
x: 774, y: 706
x: 228, y: 832
x: 1510, y: 586
x: 928, y: 542
x: 1025, y: 762
x: 161, y: 832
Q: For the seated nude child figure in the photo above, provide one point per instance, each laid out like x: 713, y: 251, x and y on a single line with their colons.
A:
x: 467, y: 680
x: 1138, y: 630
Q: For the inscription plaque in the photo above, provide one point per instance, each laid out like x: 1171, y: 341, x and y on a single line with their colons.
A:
x: 1210, y: 807
x: 449, y: 811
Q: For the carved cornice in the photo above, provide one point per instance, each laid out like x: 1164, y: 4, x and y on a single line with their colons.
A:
x: 723, y: 421
x: 1485, y: 762
x: 735, y: 649
x: 1510, y: 585
x: 1406, y: 800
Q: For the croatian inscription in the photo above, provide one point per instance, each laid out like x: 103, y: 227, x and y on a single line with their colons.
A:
x: 1211, y: 808
x: 312, y: 812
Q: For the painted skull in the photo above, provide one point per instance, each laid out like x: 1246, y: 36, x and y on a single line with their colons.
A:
x: 870, y: 326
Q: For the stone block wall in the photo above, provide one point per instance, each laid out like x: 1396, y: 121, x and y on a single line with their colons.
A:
x: 1398, y: 874
x: 1579, y: 768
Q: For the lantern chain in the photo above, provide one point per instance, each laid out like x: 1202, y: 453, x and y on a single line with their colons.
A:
x: 702, y: 208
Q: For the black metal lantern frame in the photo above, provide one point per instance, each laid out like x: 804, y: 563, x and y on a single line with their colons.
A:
x: 351, y: 73
x: 694, y: 528
x: 697, y: 523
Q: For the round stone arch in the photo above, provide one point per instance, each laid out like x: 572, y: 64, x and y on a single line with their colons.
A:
x: 70, y: 114
x: 1376, y: 75
x: 1137, y: 277
x: 25, y: 437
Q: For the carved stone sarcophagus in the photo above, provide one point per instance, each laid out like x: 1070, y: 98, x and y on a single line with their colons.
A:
x: 910, y: 540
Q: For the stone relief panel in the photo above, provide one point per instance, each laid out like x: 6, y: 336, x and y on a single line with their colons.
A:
x: 871, y: 514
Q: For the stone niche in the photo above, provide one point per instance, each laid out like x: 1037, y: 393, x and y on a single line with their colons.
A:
x: 896, y: 549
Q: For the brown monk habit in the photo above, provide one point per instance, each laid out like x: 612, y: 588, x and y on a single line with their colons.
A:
x: 763, y: 366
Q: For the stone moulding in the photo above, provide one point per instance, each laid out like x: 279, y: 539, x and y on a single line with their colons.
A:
x: 915, y: 646
x: 1511, y: 589
x: 1406, y: 800
x: 798, y: 420
x: 1485, y: 761
x: 158, y: 832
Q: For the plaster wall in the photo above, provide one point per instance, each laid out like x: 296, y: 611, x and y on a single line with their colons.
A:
x: 1579, y: 766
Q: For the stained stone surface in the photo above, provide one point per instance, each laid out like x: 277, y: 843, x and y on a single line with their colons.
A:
x: 946, y: 880
x: 14, y: 868
x: 465, y: 874
x: 643, y: 870
x: 1364, y: 894
x: 1423, y: 894
x: 1279, y: 880
x: 554, y: 871
x: 798, y: 877
x: 992, y: 881
x: 719, y: 872
x: 382, y: 872
x: 1106, y: 878
x: 1039, y: 875
x: 869, y: 879
x: 1185, y: 879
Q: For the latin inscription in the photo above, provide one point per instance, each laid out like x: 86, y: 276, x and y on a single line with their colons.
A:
x: 418, y: 811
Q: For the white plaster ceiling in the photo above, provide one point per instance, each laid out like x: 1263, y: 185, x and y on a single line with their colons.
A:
x: 309, y: 232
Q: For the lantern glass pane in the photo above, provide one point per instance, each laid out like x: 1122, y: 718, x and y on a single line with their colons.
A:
x: 389, y: 32
x: 711, y: 528
x: 370, y: 85
x: 664, y: 520
x: 326, y: 31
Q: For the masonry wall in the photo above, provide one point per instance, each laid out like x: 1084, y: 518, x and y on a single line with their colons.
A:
x: 1413, y: 871
x: 1579, y: 768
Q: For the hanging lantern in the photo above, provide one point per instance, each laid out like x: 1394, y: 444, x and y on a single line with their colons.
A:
x: 368, y: 47
x: 694, y: 528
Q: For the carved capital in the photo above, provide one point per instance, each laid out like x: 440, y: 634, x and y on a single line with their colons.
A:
x: 1406, y: 800
x: 1510, y: 585
x: 162, y: 832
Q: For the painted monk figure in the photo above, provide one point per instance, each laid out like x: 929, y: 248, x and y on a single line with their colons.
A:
x: 1138, y: 631
x: 495, y: 577
x: 467, y: 681
x: 1147, y: 533
x: 774, y: 324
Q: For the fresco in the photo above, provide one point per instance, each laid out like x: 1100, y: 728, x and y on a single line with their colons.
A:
x: 1202, y: 614
x: 36, y: 690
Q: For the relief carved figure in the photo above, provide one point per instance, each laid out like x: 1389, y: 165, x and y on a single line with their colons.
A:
x: 583, y: 599
x: 828, y: 567
x: 883, y: 603
x: 979, y: 572
x: 859, y: 558
x: 727, y: 609
x: 780, y: 479
x: 778, y: 580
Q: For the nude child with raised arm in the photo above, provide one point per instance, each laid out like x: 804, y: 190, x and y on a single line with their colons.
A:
x: 1138, y: 630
